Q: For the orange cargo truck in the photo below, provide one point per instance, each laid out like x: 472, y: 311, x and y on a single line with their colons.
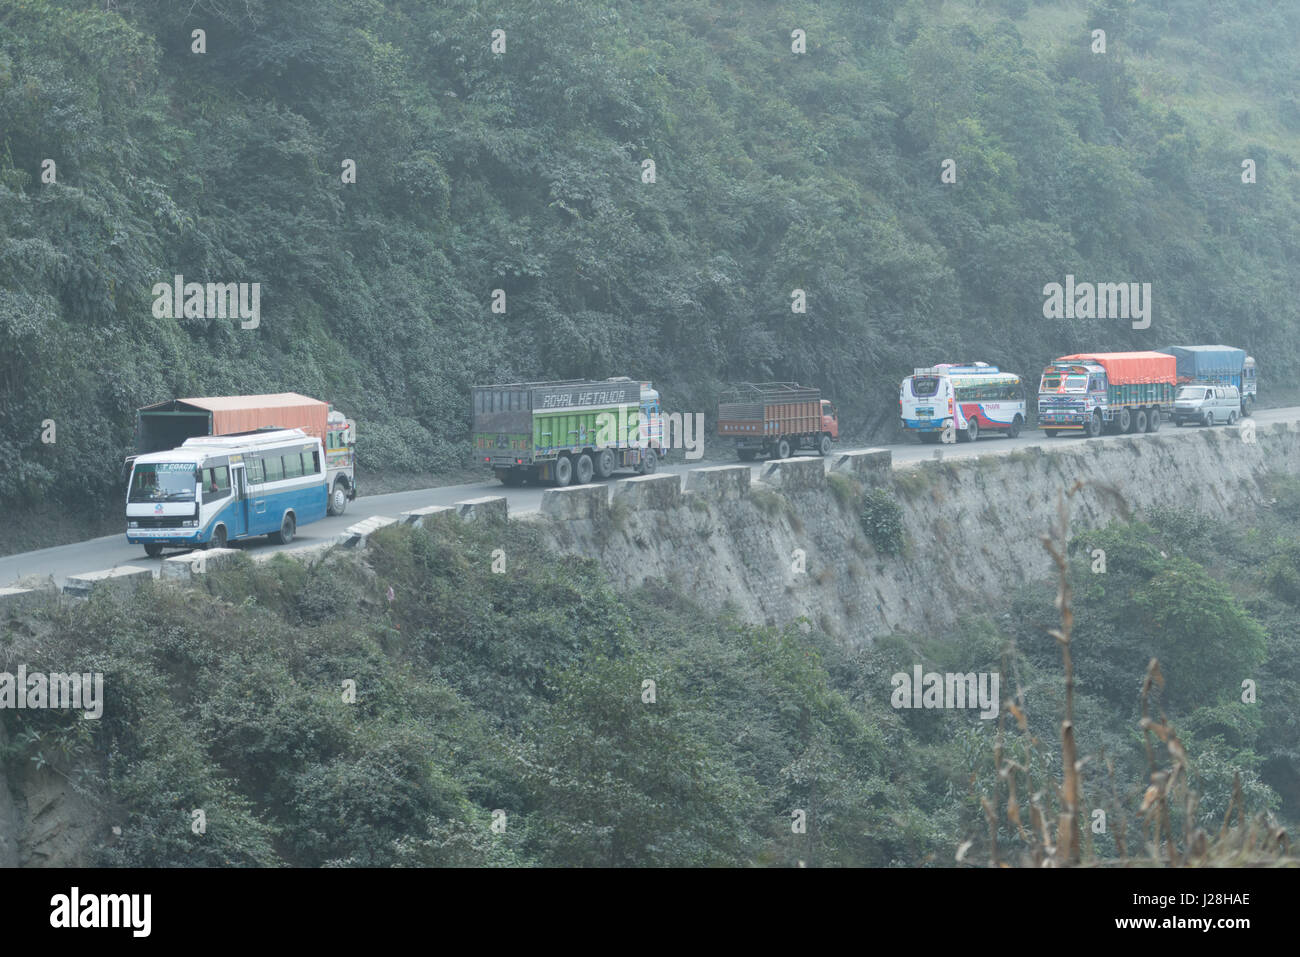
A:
x: 772, y: 419
x: 166, y: 425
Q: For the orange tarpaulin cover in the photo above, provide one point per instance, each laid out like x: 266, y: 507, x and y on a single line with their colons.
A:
x: 1131, y: 368
x: 285, y: 410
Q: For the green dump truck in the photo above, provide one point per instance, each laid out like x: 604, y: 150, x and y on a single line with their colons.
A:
x: 557, y: 433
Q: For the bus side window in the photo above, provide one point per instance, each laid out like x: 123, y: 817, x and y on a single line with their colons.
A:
x: 292, y: 465
x: 254, y: 472
x: 274, y: 468
x: 216, y: 483
x: 310, y: 463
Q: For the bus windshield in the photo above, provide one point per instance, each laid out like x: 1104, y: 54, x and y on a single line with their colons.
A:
x: 162, y: 482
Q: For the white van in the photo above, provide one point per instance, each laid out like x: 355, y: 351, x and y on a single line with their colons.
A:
x: 1206, y: 403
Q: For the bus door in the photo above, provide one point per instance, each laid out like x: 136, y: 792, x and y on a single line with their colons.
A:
x: 254, y: 491
x: 239, y: 514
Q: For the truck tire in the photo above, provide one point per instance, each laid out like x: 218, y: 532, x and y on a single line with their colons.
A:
x: 1050, y: 433
x: 562, y: 471
x: 1016, y: 425
x: 746, y: 455
x: 339, y: 498
x: 783, y: 449
x: 512, y: 478
x: 153, y: 549
x: 1125, y: 420
x: 287, y: 529
x: 1140, y: 421
x: 650, y: 464
x: 1094, y: 426
x: 824, y: 447
x: 605, y: 463
x: 584, y: 469
x: 1153, y: 420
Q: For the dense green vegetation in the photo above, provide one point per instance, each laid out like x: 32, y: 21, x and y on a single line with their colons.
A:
x: 525, y: 692
x: 523, y: 171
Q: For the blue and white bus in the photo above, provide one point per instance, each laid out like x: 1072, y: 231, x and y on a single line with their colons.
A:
x: 216, y: 489
x: 962, y: 401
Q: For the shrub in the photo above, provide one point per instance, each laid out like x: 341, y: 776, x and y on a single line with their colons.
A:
x: 882, y: 520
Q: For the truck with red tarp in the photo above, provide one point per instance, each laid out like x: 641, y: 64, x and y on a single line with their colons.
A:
x: 772, y: 419
x: 165, y: 425
x: 1107, y: 391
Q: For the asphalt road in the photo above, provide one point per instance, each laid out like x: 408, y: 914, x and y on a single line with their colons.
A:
x: 112, y: 550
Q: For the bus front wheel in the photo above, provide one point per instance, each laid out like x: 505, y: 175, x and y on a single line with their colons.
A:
x: 153, y: 549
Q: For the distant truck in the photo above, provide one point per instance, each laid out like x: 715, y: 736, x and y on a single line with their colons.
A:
x: 166, y: 425
x: 1107, y: 391
x: 561, y: 432
x: 1218, y: 365
x: 773, y: 419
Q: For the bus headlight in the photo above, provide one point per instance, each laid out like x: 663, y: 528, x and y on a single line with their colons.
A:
x: 190, y: 525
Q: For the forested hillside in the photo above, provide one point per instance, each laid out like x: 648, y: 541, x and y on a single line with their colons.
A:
x: 525, y: 693
x: 523, y: 170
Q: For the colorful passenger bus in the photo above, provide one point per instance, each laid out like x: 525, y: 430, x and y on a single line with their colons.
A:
x: 218, y: 489
x: 963, y: 400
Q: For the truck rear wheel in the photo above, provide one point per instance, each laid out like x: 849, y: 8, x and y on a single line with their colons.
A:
x: 562, y: 471
x: 1125, y: 421
x: 1140, y: 421
x: 746, y: 455
x: 1050, y: 433
x: 512, y: 478
x: 584, y: 469
x: 650, y: 464
x: 824, y: 447
x: 783, y: 449
x: 1153, y: 420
